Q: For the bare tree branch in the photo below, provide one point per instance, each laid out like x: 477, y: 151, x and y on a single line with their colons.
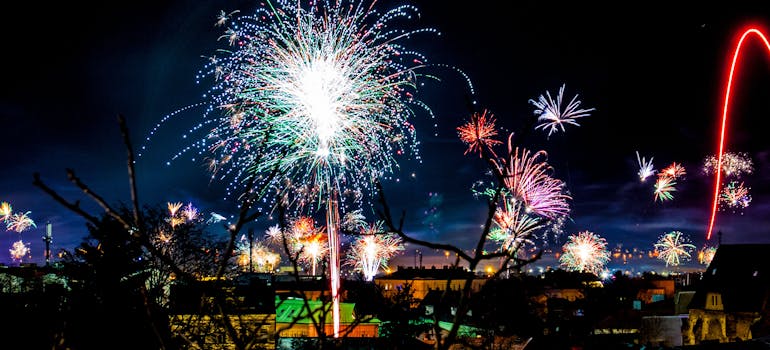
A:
x: 75, y: 207
x: 131, y: 172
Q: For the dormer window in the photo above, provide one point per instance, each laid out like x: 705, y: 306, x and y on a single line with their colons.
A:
x: 714, y: 301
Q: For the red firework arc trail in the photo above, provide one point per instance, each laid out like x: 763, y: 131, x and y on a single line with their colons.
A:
x: 728, y: 90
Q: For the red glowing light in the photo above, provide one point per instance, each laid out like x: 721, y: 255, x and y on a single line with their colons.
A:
x: 722, y: 133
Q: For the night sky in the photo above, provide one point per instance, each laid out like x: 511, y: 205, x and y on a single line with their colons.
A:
x: 653, y: 72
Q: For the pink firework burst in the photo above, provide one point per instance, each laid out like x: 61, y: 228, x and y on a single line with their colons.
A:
x: 528, y: 178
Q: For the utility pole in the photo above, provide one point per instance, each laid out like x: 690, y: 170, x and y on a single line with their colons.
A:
x: 47, y: 239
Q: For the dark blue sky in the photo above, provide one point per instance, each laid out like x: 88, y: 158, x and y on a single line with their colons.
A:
x: 653, y: 72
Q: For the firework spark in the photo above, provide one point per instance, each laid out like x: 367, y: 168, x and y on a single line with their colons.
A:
x: 478, y: 133
x: 585, y: 252
x: 664, y: 187
x: 645, y: 167
x: 734, y: 195
x: 733, y: 164
x: 551, y: 115
x: 674, y: 248
x: 372, y: 250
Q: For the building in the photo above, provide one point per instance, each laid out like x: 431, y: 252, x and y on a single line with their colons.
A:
x: 423, y: 280
x: 248, y: 306
x: 733, y: 297
x: 294, y: 321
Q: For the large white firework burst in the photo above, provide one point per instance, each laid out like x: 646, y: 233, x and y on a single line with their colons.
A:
x: 311, y: 98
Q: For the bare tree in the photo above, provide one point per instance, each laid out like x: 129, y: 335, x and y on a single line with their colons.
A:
x: 523, y: 201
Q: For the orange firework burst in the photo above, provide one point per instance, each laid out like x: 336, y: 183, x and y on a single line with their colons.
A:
x: 479, y: 132
x: 675, y: 170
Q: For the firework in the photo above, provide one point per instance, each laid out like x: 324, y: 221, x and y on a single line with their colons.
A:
x: 585, y: 252
x: 478, y: 133
x: 303, y: 239
x: 320, y: 93
x: 528, y: 178
x: 645, y: 167
x: 176, y: 217
x: 5, y: 211
x: 706, y: 254
x: 551, y: 115
x: 733, y: 164
x: 664, y: 187
x: 512, y: 226
x: 314, y: 249
x: 323, y: 93
x: 189, y: 212
x: 674, y: 171
x: 372, y: 250
x: 734, y: 195
x: 19, y: 250
x: 673, y: 248
x: 173, y: 208
x: 256, y: 255
x: 19, y: 222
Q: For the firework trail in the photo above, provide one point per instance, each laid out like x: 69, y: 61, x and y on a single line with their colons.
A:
x: 372, y: 250
x: 735, y: 196
x: 674, y: 248
x: 552, y: 116
x: 645, y: 167
x: 585, y: 252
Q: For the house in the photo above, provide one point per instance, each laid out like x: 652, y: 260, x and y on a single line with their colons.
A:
x: 423, y: 280
x: 293, y: 320
x: 247, y: 305
x: 732, y: 300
